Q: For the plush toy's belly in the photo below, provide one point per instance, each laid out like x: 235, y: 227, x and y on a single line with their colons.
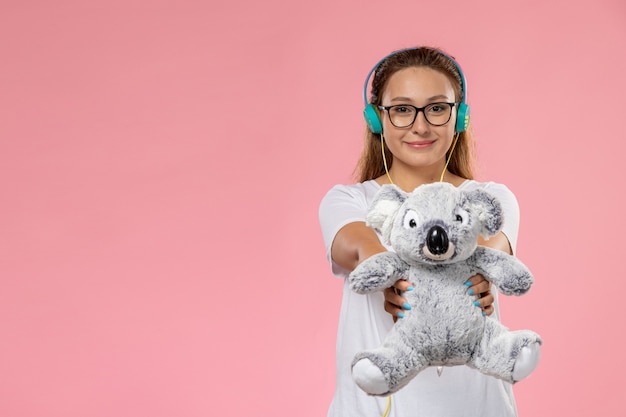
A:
x: 443, y: 320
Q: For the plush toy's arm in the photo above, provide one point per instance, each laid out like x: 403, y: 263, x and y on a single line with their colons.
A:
x: 507, y: 272
x: 378, y: 272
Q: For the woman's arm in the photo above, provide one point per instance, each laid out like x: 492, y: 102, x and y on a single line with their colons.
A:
x: 354, y: 243
x: 499, y: 242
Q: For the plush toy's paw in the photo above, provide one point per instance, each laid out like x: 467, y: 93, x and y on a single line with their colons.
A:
x: 369, y: 377
x: 377, y: 272
x: 526, y: 362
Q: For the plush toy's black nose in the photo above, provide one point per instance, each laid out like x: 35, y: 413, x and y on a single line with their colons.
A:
x: 437, y: 240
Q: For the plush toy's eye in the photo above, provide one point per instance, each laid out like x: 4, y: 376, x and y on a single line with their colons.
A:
x: 461, y: 216
x: 410, y: 219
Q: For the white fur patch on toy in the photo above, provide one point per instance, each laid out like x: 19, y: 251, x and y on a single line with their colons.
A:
x: 526, y: 362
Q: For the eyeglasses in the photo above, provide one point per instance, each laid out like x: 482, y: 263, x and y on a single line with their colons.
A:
x: 404, y: 115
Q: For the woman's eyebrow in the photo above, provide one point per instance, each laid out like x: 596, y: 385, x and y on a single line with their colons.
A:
x: 437, y: 97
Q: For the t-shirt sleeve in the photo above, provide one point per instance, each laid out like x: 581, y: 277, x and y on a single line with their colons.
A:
x: 340, y: 206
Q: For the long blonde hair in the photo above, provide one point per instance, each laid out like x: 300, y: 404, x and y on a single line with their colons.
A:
x: 371, y: 164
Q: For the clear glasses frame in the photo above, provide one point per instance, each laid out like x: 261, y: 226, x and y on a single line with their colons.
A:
x: 425, y: 110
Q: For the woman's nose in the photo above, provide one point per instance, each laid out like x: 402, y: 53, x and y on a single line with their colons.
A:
x: 421, y: 125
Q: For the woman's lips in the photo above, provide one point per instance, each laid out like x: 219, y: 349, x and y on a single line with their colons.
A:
x: 420, y: 144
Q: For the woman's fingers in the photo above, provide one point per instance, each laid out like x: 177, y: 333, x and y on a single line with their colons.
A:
x: 403, y: 285
x: 488, y: 310
x: 486, y: 300
x: 395, y: 304
x: 479, y: 287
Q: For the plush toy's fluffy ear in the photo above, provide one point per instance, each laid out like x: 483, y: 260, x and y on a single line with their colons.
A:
x: 489, y: 211
x: 384, y: 208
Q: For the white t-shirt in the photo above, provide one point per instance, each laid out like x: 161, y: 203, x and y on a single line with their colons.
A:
x: 363, y: 323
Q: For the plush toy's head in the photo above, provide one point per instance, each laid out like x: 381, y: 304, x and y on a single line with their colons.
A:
x: 436, y: 223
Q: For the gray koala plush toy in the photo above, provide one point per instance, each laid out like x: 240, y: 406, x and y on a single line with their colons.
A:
x: 433, y: 232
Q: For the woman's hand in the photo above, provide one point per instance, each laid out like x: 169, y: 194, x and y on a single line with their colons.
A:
x: 395, y: 304
x: 477, y: 286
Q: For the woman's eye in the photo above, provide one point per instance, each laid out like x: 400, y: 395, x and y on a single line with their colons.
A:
x: 402, y: 109
x: 436, y: 108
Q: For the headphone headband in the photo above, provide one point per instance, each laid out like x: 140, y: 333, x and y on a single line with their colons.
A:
x: 372, y: 117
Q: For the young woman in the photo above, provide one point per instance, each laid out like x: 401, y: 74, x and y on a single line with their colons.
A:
x: 419, y: 135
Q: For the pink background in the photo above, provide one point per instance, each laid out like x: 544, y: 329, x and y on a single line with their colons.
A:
x: 162, y: 163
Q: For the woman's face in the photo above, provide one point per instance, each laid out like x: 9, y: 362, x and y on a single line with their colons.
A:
x: 420, y: 145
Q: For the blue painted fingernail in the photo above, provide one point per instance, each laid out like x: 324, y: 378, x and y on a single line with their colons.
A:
x: 400, y: 315
x: 406, y: 306
x: 484, y: 314
x: 470, y: 292
x: 410, y: 289
x: 476, y: 303
x: 467, y: 284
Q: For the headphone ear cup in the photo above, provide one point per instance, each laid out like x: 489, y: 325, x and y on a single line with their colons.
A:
x: 462, y: 118
x: 372, y: 118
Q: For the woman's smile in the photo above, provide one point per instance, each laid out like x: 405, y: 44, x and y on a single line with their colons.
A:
x: 420, y: 144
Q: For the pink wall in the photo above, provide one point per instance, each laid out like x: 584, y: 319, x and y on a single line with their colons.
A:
x: 162, y: 164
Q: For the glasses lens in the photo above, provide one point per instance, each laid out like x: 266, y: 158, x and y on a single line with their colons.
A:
x: 402, y: 116
x: 438, y: 114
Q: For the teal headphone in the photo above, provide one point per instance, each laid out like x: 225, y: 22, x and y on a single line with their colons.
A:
x: 372, y: 117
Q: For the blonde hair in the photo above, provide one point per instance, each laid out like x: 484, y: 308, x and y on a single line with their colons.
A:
x: 371, y: 164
